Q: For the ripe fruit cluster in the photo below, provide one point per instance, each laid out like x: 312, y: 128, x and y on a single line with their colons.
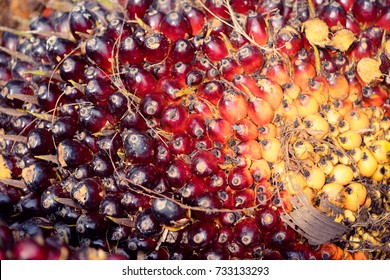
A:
x: 205, y: 129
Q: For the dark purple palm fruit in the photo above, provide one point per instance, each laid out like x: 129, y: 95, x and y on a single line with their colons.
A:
x: 202, y: 234
x: 169, y: 213
x: 40, y: 141
x: 82, y: 22
x: 137, y: 8
x: 138, y: 146
x: 73, y: 153
x: 38, y: 176
x: 88, y: 193
x: 146, y: 224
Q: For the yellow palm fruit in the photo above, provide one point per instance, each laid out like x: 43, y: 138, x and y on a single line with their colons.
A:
x: 331, y: 114
x: 368, y: 138
x: 316, y: 125
x: 381, y: 151
x: 333, y: 157
x: 384, y: 123
x: 349, y: 139
x: 293, y: 182
x: 367, y: 165
x: 355, y: 154
x: 278, y: 169
x: 270, y: 149
x: 309, y: 193
x: 260, y: 170
x: 303, y: 149
x: 291, y: 90
x: 334, y: 130
x: 315, y: 177
x: 349, y: 217
x: 341, y: 174
x: 343, y: 158
x: 306, y: 105
x: 321, y: 149
x: 325, y: 165
x: 267, y: 131
x: 354, y: 196
x: 358, y: 120
x: 333, y: 192
x: 381, y: 173
x: 343, y: 126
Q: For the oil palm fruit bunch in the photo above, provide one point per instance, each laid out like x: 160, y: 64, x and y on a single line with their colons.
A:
x: 204, y: 129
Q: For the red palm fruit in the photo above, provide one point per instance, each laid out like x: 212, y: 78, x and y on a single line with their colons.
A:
x: 214, y: 47
x: 247, y: 85
x: 130, y: 51
x: 193, y: 189
x: 249, y: 149
x: 217, y: 8
x: 98, y: 91
x: 355, y: 88
x: 216, y: 26
x: 175, y: 26
x: 173, y: 118
x: 360, y: 49
x: 204, y: 163
x: 288, y: 41
x: 374, y: 96
x: 237, y: 40
x: 212, y: 74
x: 155, y: 48
x: 199, y: 106
x: 152, y: 104
x: 268, y: 219
x: 137, y: 8
x: 219, y: 130
x: 216, y: 182
x: 268, y: 6
x: 346, y: 4
x: 384, y: 20
x: 271, y: 92
x: 207, y: 202
x: 279, y: 237
x: 194, y: 78
x: 229, y: 67
x: 139, y: 81
x: 260, y: 170
x: 29, y: 249
x: 244, y: 198
x: 177, y: 173
x: 329, y: 251
x: 228, y: 219
x: 180, y: 71
x: 170, y: 87
x: 202, y: 234
x: 250, y: 58
x: 365, y: 11
x: 256, y: 28
x: 282, y: 202
x: 204, y: 143
x: 162, y: 155
x: 260, y: 111
x: 227, y: 198
x: 211, y: 91
x: 195, y: 17
x: 232, y: 106
x: 303, y: 72
x: 182, y: 51
x: 243, y: 7
x: 333, y: 14
x: 99, y: 49
x: 352, y: 25
x: 276, y: 70
x: 181, y: 143
x: 298, y: 251
x: 245, y: 130
x: 374, y: 34
x: 246, y: 232
x: 196, y: 126
x: 160, y: 70
x: 153, y: 19
x: 239, y: 178
x: 341, y: 62
x: 338, y: 86
x: 263, y: 194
